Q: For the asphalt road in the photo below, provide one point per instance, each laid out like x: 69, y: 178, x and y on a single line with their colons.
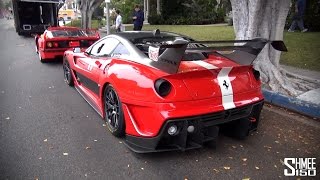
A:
x: 42, y: 119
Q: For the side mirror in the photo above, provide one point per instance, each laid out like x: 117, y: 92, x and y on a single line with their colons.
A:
x: 77, y: 50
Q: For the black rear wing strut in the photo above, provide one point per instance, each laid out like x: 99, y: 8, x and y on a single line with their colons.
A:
x: 243, y: 52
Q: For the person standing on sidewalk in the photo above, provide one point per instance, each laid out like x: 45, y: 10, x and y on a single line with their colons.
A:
x: 300, y: 8
x: 138, y: 18
x: 119, y: 25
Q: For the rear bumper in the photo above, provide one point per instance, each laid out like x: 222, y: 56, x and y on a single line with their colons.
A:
x: 206, y: 128
x: 52, y: 54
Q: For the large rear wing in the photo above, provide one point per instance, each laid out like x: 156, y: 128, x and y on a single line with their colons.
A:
x: 243, y: 52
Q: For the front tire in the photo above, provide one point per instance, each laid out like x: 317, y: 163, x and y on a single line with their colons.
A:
x: 114, y: 113
x: 68, y: 78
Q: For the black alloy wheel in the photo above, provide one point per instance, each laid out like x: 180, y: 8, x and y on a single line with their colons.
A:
x: 67, y: 73
x: 114, y: 113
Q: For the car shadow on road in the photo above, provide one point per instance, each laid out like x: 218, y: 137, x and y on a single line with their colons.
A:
x: 205, y: 150
x: 53, y: 62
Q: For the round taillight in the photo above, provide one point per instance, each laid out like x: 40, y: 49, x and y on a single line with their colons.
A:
x: 163, y: 87
x: 49, y: 44
x: 55, y: 44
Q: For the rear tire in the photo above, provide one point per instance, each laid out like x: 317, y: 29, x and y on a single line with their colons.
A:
x: 67, y: 73
x: 114, y: 113
x: 37, y: 49
x: 40, y: 57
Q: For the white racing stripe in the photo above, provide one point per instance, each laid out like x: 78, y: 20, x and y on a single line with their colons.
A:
x: 224, y: 83
x: 205, y: 64
x: 226, y: 88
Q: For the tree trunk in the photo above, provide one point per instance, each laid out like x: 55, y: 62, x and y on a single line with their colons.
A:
x: 266, y: 19
x: 87, y: 8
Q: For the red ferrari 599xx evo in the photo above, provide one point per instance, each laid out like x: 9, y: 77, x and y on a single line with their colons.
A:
x: 55, y: 40
x: 164, y: 91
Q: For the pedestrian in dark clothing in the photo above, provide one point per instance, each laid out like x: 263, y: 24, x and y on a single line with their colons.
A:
x: 300, y: 8
x: 138, y: 18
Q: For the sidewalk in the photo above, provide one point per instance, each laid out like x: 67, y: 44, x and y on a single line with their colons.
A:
x: 312, y: 96
x: 307, y: 103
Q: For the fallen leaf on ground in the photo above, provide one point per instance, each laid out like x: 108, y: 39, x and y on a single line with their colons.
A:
x: 46, y: 140
x: 230, y: 157
x: 7, y: 118
x: 128, y: 165
x: 281, y: 162
x: 197, y: 160
x: 210, y: 157
x: 276, y: 142
x: 234, y: 147
x: 216, y: 170
x: 65, y: 154
x: 275, y: 166
x: 257, y: 167
x: 40, y: 158
x: 95, y: 140
x: 241, y: 146
x: 227, y: 167
x: 120, y: 142
x: 244, y: 159
x: 142, y: 168
x: 88, y: 147
x: 246, y: 179
x: 104, y: 125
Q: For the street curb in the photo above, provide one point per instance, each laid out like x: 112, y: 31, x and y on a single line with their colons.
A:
x: 294, y: 104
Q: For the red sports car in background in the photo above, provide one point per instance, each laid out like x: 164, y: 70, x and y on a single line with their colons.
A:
x: 55, y: 40
x: 163, y: 91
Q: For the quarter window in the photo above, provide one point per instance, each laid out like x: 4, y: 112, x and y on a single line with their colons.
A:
x: 120, y: 50
x: 105, y: 47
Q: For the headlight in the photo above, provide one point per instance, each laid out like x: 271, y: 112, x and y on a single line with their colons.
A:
x: 163, y: 87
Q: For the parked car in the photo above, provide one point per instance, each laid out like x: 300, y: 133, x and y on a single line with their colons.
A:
x: 163, y: 91
x: 55, y: 40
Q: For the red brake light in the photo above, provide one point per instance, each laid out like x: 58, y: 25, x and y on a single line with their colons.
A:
x: 56, y: 44
x: 74, y: 44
